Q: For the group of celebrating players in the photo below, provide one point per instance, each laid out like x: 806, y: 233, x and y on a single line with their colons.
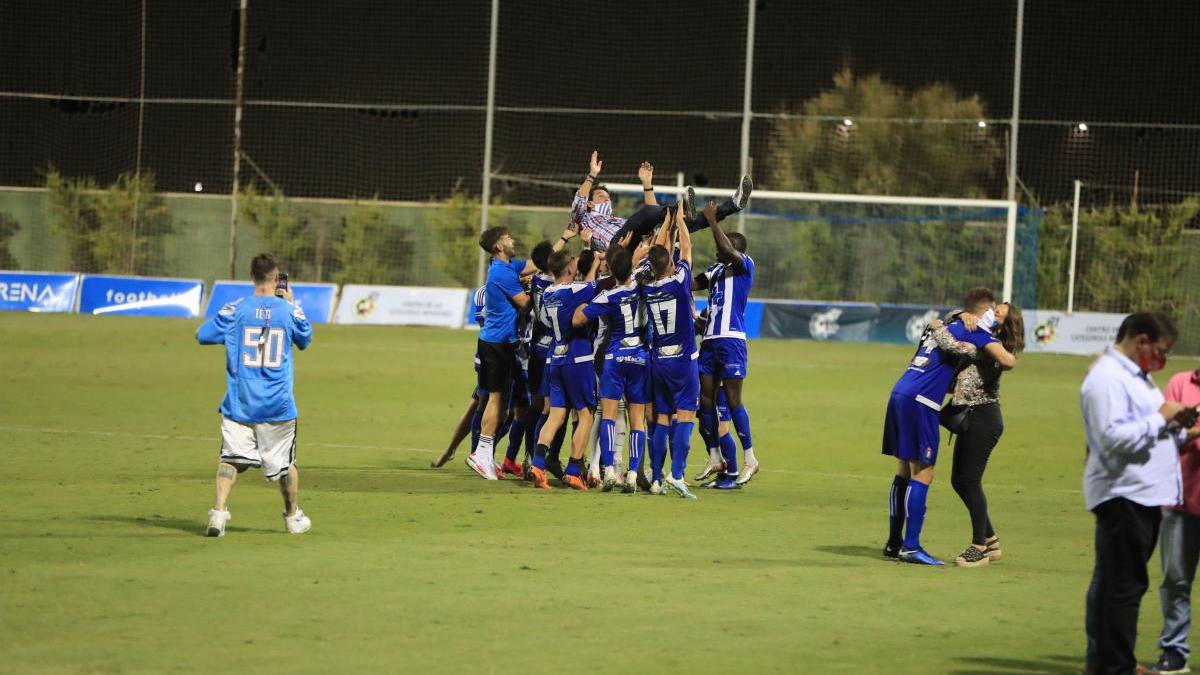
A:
x: 614, y: 325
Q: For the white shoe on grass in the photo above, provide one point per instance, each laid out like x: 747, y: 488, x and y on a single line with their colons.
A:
x: 747, y: 472
x: 486, y: 467
x: 297, y: 523
x: 608, y: 479
x: 216, y: 523
x: 656, y: 488
x: 630, y: 485
x: 679, y: 487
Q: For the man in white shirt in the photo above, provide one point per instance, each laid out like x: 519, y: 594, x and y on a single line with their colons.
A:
x: 1133, y: 438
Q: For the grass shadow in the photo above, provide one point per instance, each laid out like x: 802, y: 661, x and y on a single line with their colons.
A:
x: 1045, y: 665
x: 853, y: 551
x: 195, y: 527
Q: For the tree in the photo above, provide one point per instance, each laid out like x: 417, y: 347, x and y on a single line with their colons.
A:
x: 281, y: 229
x: 371, y: 250
x: 8, y: 229
x: 456, y: 229
x: 897, y: 143
x: 73, y: 215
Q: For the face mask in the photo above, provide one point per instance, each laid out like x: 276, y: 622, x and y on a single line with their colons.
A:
x: 604, y: 208
x: 1156, y: 361
x: 988, y: 320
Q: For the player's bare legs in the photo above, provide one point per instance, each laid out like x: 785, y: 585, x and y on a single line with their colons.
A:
x: 289, y: 487
x: 579, y: 444
x: 460, y: 432
x: 708, y: 427
x: 218, y: 516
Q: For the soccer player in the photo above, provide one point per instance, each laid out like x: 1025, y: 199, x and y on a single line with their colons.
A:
x: 592, y: 208
x: 504, y: 298
x: 723, y: 350
x: 625, y: 375
x: 258, y: 414
x: 472, y: 417
x: 571, y: 380
x: 911, y: 428
x: 540, y: 339
x: 669, y: 305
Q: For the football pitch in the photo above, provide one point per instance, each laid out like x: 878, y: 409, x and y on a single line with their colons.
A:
x: 109, y: 429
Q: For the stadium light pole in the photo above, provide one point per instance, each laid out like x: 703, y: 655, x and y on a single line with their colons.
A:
x: 1015, y: 120
x: 488, y: 127
x: 747, y: 87
x: 1074, y: 242
x: 137, y: 172
x: 237, y: 138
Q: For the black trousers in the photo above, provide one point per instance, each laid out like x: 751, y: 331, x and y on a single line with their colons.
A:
x: 645, y: 219
x: 1126, y: 533
x: 971, y: 452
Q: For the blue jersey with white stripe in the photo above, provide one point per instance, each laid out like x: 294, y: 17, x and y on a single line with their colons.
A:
x: 258, y: 333
x: 929, y: 374
x: 669, y: 308
x: 728, y: 291
x: 479, y: 305
x: 542, y: 336
x: 571, y: 344
x: 621, y: 307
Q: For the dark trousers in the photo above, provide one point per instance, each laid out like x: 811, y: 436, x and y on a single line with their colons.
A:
x: 645, y: 219
x: 971, y: 452
x: 1126, y: 533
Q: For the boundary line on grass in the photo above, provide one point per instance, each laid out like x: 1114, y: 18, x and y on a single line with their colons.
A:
x: 351, y: 446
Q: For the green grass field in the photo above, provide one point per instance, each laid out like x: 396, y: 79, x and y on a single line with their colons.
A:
x: 109, y: 431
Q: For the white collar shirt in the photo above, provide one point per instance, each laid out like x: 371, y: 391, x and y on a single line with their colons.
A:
x: 1132, y: 454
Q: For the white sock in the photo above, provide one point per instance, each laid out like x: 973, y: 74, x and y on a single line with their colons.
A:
x: 484, y: 450
x: 622, y: 434
x: 594, y: 450
x: 714, y: 455
x: 749, y: 452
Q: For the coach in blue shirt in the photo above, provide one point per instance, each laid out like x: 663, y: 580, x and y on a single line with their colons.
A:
x: 1133, y: 439
x: 504, y: 297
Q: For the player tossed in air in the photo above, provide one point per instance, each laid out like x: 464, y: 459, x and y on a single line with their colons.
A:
x: 258, y: 413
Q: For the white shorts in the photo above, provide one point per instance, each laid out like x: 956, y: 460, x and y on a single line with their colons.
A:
x: 270, y: 445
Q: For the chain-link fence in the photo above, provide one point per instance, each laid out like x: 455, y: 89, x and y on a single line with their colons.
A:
x: 363, y: 131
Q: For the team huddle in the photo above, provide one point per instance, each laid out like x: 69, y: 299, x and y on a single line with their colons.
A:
x: 614, y: 327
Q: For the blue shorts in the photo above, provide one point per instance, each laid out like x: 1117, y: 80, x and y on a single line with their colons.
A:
x: 624, y: 377
x: 536, y: 376
x: 724, y: 358
x: 676, y: 385
x: 911, y: 431
x: 572, y: 385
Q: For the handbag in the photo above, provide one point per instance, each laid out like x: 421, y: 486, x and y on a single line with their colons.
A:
x: 956, y: 418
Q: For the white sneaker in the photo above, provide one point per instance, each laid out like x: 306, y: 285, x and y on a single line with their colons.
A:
x: 216, y: 523
x: 656, y: 488
x: 747, y: 472
x: 630, y: 485
x: 711, y: 468
x: 608, y: 479
x: 679, y: 487
x: 741, y: 196
x: 297, y: 524
x: 486, y: 468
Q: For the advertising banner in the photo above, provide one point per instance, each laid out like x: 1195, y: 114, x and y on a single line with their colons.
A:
x: 818, y: 321
x: 903, y: 324
x: 38, y: 291
x: 315, y: 299
x: 144, y: 296
x: 1061, y: 333
x: 402, y: 305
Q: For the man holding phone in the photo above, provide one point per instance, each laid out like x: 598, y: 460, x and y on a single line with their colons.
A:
x: 258, y: 414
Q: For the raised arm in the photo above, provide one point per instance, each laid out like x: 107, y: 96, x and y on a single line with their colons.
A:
x: 685, y: 237
x: 726, y: 253
x: 594, y: 166
x: 646, y: 175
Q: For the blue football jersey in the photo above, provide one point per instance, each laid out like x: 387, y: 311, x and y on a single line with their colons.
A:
x: 622, y: 310
x: 571, y: 345
x: 728, y: 292
x: 258, y: 333
x: 541, y: 335
x: 929, y: 374
x: 479, y: 305
x: 669, y: 308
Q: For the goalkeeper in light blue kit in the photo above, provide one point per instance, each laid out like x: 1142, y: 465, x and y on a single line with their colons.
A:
x: 258, y: 414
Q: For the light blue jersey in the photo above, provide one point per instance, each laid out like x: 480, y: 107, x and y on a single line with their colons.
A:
x: 258, y: 333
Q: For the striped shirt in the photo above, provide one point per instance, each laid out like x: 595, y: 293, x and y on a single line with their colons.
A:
x: 603, y: 227
x: 728, y: 291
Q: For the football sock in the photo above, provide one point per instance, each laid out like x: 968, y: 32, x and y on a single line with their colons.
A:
x: 914, y: 506
x: 741, y: 423
x: 708, y: 430
x: 539, y: 456
x: 515, y: 436
x: 608, y: 433
x: 658, y: 451
x: 729, y: 453
x: 574, y: 465
x: 484, y: 449
x: 594, y: 450
x: 896, y: 510
x: 621, y: 434
x: 637, y: 447
x: 682, y: 437
x: 532, y: 429
x: 749, y: 452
